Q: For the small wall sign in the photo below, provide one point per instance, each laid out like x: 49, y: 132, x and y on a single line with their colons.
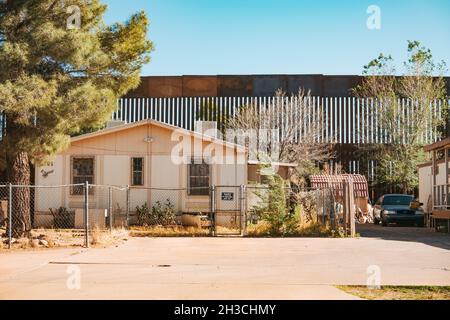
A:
x: 227, y: 196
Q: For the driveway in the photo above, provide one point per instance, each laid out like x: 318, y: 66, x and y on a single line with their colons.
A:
x: 229, y: 268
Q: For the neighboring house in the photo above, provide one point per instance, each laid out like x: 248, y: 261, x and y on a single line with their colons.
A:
x: 434, y: 185
x: 257, y: 170
x: 140, y: 155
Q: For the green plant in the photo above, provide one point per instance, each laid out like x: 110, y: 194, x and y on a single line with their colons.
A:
x: 164, y: 213
x: 274, y: 210
x: 338, y: 233
x: 143, y: 214
x: 63, y: 218
x: 159, y: 214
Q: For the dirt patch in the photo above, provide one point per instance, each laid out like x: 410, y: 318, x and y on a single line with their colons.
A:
x: 64, y: 238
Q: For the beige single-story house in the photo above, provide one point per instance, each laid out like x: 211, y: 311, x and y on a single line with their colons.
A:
x: 145, y: 155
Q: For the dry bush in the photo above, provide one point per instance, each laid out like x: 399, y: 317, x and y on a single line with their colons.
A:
x: 112, y: 237
x: 310, y: 229
x: 173, y: 231
x: 260, y: 229
x: 50, y: 236
x: 289, y: 129
x: 23, y: 243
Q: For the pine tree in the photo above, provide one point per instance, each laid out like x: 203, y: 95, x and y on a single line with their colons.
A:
x: 61, y: 70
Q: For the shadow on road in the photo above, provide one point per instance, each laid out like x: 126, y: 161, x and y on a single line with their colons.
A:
x: 400, y: 233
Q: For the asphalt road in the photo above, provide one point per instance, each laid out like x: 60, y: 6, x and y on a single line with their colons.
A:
x: 229, y: 268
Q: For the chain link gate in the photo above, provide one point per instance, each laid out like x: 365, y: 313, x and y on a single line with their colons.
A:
x: 228, y: 210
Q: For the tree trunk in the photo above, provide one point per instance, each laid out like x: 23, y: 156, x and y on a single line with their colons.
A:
x: 19, y: 174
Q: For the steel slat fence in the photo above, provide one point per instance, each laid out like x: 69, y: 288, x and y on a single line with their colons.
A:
x: 342, y: 120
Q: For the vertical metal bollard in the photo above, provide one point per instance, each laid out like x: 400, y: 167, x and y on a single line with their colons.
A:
x: 128, y: 207
x: 10, y: 216
x: 86, y: 214
x: 244, y: 208
x: 110, y: 209
x: 212, y: 210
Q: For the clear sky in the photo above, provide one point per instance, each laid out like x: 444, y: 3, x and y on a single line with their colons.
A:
x: 283, y: 36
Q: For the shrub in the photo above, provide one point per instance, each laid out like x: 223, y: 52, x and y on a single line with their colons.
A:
x: 63, y: 218
x: 143, y: 214
x: 105, y: 238
x: 275, y: 211
x: 159, y: 214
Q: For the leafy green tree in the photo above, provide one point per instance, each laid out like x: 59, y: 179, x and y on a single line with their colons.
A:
x: 420, y: 85
x: 61, y: 70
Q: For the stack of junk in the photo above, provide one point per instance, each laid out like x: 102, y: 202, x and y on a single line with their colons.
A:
x: 362, y: 207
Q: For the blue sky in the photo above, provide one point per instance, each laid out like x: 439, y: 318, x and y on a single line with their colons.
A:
x: 283, y: 36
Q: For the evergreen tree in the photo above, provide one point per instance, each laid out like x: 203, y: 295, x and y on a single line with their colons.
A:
x: 61, y: 70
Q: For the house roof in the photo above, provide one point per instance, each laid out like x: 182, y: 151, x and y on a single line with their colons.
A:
x: 279, y: 164
x: 128, y: 126
x: 437, y: 145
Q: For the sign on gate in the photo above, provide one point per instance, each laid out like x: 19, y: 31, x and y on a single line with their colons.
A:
x: 227, y: 196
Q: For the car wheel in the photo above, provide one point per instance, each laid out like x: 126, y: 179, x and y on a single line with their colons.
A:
x: 384, y: 223
x: 376, y: 221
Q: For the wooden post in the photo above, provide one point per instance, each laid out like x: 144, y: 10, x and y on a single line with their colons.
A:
x: 345, y: 204
x: 351, y: 201
x: 349, y: 211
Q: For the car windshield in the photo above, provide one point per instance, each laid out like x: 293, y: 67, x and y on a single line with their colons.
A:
x: 397, y: 200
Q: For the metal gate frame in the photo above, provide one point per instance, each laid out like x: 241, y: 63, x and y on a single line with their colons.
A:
x: 239, y: 209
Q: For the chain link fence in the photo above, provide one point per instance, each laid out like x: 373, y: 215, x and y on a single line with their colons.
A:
x: 72, y: 214
x: 189, y: 207
x: 65, y: 213
x: 309, y: 206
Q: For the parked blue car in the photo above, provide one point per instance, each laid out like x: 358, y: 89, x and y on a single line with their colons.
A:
x: 396, y: 208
